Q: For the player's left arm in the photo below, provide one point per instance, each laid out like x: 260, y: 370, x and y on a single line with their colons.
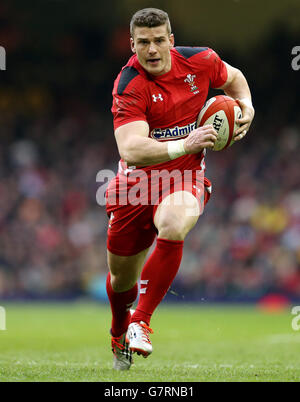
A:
x: 237, y: 88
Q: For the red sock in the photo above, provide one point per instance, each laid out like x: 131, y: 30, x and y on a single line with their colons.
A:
x: 120, y: 304
x: 157, y: 276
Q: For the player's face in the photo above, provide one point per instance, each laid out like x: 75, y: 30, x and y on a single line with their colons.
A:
x: 152, y: 47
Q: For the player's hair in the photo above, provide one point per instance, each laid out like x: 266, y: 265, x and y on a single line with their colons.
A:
x: 150, y: 17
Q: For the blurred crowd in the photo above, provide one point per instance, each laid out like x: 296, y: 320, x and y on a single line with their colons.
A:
x: 53, y: 232
x: 56, y: 134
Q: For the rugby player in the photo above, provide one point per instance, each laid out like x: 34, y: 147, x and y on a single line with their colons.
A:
x: 156, y: 99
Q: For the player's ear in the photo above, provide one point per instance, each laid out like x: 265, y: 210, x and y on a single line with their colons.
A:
x: 172, y: 40
x: 132, y: 45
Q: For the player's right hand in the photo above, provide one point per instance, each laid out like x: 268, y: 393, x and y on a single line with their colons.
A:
x: 200, y: 138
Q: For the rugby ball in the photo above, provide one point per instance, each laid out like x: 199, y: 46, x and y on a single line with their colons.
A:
x: 222, y: 112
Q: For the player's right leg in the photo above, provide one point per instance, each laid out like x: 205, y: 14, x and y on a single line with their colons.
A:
x: 122, y: 291
x: 130, y: 233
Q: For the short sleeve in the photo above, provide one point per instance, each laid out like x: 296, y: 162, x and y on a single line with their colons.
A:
x: 128, y: 97
x: 217, y: 70
x: 128, y: 107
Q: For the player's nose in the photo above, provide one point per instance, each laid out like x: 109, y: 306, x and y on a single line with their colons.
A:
x: 152, y: 48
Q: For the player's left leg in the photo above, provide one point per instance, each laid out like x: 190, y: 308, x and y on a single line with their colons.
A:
x: 175, y: 216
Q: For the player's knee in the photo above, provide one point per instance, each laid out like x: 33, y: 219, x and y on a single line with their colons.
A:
x: 174, y: 226
x: 122, y: 283
x: 172, y: 230
x: 125, y: 270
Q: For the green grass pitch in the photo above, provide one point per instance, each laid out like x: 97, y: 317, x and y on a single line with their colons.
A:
x: 70, y: 342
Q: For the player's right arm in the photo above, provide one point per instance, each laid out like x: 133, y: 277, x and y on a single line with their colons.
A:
x: 137, y: 149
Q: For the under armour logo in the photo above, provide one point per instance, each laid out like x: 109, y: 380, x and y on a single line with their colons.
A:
x: 144, y: 282
x: 157, y: 97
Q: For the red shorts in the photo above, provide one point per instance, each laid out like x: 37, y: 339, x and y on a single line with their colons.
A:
x: 131, y: 228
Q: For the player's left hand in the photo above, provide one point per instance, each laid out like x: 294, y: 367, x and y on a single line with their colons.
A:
x: 245, y: 121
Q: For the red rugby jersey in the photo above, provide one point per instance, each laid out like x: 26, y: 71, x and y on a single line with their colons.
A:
x: 170, y: 103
